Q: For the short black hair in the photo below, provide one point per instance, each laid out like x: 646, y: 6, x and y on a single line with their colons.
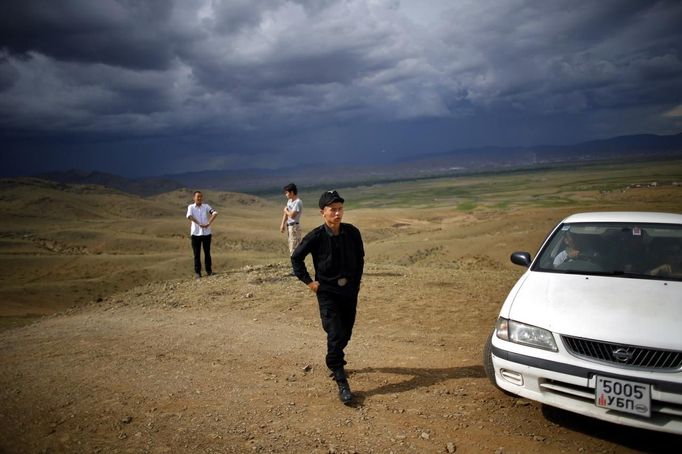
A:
x: 291, y: 187
x: 329, y: 197
x: 197, y: 192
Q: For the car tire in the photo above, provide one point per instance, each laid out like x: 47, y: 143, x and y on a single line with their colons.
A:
x: 488, y: 360
x: 488, y: 367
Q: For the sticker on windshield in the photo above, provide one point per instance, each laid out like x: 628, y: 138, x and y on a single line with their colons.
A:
x: 636, y: 231
x: 566, y: 227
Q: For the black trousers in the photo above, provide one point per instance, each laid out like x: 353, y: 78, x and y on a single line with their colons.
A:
x: 197, y: 242
x: 337, y: 313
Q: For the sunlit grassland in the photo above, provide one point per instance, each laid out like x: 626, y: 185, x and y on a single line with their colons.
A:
x: 584, y: 185
x: 64, y: 246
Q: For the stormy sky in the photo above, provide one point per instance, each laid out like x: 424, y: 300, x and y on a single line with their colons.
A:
x: 157, y: 87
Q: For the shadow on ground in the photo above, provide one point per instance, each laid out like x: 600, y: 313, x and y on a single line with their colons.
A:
x: 629, y: 437
x: 416, y: 378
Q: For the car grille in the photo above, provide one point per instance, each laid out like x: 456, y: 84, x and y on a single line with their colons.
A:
x: 624, y: 355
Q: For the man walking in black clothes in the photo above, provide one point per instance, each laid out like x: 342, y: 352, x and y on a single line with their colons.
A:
x: 338, y: 257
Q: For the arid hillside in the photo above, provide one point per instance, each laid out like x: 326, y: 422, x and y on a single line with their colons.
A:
x: 64, y: 245
x: 136, y: 356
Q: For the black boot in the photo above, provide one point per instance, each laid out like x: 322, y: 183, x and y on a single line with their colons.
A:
x: 345, y: 395
x: 339, y: 376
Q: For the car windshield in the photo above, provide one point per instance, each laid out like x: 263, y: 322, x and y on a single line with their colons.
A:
x: 646, y: 251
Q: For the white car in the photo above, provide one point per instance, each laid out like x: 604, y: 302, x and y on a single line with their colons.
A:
x: 595, y: 324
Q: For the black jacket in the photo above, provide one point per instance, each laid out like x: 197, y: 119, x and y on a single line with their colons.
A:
x: 335, y: 258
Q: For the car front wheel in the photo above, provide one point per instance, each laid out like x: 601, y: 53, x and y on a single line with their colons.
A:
x: 488, y: 360
x: 488, y: 364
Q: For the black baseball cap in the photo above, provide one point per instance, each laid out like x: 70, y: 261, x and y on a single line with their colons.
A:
x: 329, y: 197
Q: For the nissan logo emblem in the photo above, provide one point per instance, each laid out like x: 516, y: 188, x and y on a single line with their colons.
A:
x: 621, y: 355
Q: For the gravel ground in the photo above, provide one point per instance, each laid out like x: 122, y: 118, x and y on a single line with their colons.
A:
x: 235, y: 363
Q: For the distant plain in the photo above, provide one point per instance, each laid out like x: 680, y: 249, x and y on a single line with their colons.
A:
x: 64, y: 245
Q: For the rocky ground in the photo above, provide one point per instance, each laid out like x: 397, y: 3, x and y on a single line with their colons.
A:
x: 235, y: 363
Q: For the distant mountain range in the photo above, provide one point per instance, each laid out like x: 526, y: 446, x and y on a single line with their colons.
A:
x: 142, y: 186
x: 456, y: 162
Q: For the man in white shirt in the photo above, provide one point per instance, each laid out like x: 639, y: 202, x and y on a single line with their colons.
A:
x: 570, y: 253
x: 292, y: 216
x: 202, y: 215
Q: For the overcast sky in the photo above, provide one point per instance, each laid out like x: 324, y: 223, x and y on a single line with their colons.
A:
x: 160, y: 86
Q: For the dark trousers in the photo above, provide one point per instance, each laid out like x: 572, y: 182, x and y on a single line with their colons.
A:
x: 337, y: 313
x: 197, y: 242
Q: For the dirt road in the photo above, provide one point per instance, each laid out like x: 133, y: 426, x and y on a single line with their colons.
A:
x: 235, y: 363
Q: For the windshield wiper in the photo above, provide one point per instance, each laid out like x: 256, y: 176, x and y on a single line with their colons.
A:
x: 619, y: 273
x: 629, y: 274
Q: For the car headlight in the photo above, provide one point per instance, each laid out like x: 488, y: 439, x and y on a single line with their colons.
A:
x: 520, y: 333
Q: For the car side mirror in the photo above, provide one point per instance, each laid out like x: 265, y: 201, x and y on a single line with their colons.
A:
x: 521, y: 258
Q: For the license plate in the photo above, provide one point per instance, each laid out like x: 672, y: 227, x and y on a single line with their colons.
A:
x: 623, y: 395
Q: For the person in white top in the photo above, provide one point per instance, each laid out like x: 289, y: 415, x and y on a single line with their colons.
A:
x: 292, y: 217
x: 201, y: 216
x: 569, y: 253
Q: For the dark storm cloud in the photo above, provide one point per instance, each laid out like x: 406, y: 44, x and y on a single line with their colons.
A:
x: 591, y: 50
x: 133, y: 34
x: 549, y: 56
x: 284, y: 80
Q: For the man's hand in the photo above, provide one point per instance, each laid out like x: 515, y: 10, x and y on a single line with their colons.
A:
x: 663, y: 269
x: 314, y: 286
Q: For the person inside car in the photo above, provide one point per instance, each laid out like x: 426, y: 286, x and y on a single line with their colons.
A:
x: 672, y: 266
x: 570, y: 251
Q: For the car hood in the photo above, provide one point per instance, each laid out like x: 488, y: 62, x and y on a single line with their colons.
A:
x: 613, y: 309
